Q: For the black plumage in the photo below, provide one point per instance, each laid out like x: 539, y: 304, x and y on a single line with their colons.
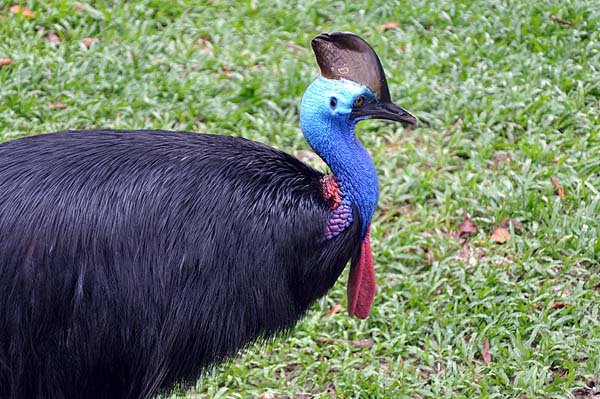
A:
x: 114, y: 280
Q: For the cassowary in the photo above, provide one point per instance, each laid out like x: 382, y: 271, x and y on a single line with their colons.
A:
x: 131, y: 260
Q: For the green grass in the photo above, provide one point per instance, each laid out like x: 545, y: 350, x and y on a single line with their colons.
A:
x: 507, y: 98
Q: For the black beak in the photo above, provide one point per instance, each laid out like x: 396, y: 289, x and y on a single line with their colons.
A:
x: 383, y: 110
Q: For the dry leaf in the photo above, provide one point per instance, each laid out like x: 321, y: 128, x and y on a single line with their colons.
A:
x: 429, y: 256
x: 295, y: 49
x: 500, y: 235
x: 52, y: 37
x: 485, y: 352
x: 559, y: 187
x: 79, y: 8
x: 57, y: 105
x: 24, y: 11
x: 331, y: 391
x: 560, y: 305
x: 467, y: 227
x: 561, y: 21
x: 334, y: 310
x: 389, y: 25
x: 5, y: 62
x: 506, y: 223
x: 89, y: 41
x: 596, y: 287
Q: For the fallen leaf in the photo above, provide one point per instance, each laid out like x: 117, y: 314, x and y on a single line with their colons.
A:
x: 5, y: 62
x: 52, y: 37
x: 389, y: 25
x: 500, y: 235
x: 559, y: 188
x: 79, y: 8
x: 596, y: 287
x: 498, y: 158
x: 485, y: 352
x: 561, y: 20
x: 57, y: 105
x: 331, y: 391
x: 584, y: 393
x: 24, y: 11
x: 295, y: 49
x: 89, y: 41
x: 429, y: 256
x: 467, y: 227
x: 506, y: 223
x: 560, y: 305
x: 334, y: 310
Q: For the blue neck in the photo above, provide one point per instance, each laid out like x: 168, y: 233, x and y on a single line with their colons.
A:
x: 331, y: 135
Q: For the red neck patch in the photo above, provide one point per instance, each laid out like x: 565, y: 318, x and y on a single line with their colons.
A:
x: 331, y: 190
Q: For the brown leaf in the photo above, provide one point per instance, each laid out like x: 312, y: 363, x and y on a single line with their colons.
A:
x: 5, y: 62
x: 498, y: 158
x: 79, y: 8
x: 24, y: 11
x: 389, y: 25
x: 52, y: 37
x: 561, y: 21
x: 596, y: 287
x: 334, y: 310
x: 560, y: 305
x: 506, y: 223
x: 429, y: 256
x: 559, y: 187
x: 295, y: 49
x: 467, y: 227
x: 57, y: 105
x: 485, y: 352
x: 500, y: 235
x: 89, y: 41
x: 331, y: 391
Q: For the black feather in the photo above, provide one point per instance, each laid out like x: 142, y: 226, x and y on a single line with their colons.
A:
x: 131, y: 260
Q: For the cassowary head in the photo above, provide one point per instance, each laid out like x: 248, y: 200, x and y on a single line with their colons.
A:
x: 352, y: 87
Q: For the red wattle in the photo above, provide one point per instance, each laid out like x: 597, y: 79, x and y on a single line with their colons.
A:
x: 361, y: 283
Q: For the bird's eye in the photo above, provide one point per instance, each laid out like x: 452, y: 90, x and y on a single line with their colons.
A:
x: 359, y: 101
x: 333, y: 102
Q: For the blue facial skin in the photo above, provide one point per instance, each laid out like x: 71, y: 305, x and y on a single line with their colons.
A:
x: 327, y: 126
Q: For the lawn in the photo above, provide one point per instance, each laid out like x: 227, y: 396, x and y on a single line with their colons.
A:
x: 508, y: 97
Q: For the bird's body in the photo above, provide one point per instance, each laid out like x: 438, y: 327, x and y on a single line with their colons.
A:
x: 146, y: 257
x: 131, y: 260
